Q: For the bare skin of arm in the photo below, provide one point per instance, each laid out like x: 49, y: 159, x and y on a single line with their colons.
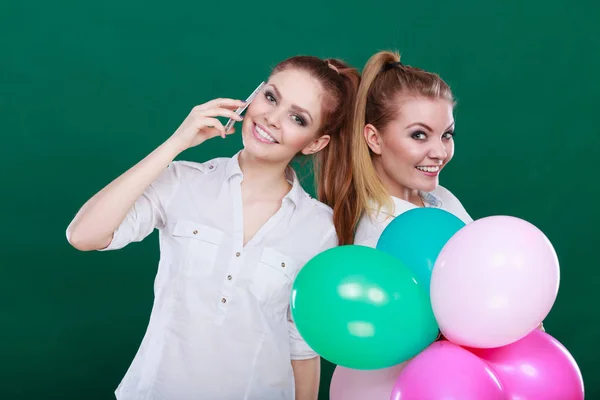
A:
x: 307, y: 375
x: 95, y: 223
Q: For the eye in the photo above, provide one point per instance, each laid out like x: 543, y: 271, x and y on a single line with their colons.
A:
x: 298, y: 120
x: 419, y: 135
x: 448, y: 135
x: 269, y: 96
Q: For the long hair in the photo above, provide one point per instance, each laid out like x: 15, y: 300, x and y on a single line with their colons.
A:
x: 384, y: 80
x: 333, y: 165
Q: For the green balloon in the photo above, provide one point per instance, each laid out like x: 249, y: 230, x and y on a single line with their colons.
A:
x: 362, y: 308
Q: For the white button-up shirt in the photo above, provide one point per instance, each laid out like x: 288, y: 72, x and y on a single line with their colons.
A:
x: 220, y: 326
x: 371, y: 225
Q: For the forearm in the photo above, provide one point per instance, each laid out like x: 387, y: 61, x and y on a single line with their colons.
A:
x: 94, y: 225
x: 307, y: 375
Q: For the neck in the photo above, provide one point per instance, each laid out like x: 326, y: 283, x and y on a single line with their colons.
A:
x: 396, y: 189
x: 260, y: 175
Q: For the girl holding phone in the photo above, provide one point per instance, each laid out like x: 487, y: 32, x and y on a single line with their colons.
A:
x: 233, y: 233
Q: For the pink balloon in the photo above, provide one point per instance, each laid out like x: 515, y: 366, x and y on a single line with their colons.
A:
x: 536, y: 367
x: 447, y: 371
x: 353, y: 384
x: 494, y: 281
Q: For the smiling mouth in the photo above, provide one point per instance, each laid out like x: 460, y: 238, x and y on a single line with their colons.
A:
x: 430, y: 170
x: 263, y: 136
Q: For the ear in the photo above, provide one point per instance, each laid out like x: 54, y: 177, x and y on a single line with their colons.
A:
x: 316, y: 145
x: 373, y: 138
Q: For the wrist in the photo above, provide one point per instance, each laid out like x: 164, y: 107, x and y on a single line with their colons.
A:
x: 175, y: 146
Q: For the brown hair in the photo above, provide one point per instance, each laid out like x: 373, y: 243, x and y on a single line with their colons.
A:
x: 384, y: 80
x: 333, y: 164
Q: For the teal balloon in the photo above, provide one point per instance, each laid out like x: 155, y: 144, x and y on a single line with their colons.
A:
x: 361, y: 308
x: 416, y: 238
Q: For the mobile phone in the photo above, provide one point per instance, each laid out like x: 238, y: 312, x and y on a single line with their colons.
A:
x: 240, y: 110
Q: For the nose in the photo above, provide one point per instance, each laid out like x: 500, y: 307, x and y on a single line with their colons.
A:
x: 273, y: 117
x: 438, y: 150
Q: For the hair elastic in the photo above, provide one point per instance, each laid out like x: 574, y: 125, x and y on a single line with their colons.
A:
x: 388, y: 66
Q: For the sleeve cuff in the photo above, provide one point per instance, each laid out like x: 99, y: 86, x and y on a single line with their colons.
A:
x: 299, y: 349
x: 118, y: 240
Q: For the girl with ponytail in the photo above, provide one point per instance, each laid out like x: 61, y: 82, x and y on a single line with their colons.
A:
x: 234, y: 233
x: 402, y: 138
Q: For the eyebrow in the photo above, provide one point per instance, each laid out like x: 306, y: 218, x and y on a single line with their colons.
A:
x: 427, y: 127
x: 295, y: 107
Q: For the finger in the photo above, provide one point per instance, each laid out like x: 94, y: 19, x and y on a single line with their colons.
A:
x: 221, y: 112
x: 222, y: 103
x: 230, y: 128
x: 213, y: 123
x: 214, y: 132
x: 230, y: 103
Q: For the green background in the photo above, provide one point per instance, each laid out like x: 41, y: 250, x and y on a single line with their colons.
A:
x: 88, y: 88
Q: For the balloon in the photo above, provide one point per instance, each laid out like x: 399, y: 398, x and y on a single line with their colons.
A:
x: 494, y: 282
x: 536, y: 367
x: 417, y: 236
x: 447, y: 371
x: 361, y: 308
x: 355, y: 384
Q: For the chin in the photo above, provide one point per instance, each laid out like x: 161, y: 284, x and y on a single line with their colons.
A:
x: 266, y: 152
x: 260, y: 152
x: 428, y: 186
x: 255, y: 151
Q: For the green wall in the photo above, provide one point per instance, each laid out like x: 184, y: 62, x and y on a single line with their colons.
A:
x: 88, y: 88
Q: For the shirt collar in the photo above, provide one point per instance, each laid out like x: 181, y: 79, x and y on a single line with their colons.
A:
x: 400, y: 206
x: 430, y: 199
x: 294, y: 195
x: 233, y: 167
x: 296, y: 191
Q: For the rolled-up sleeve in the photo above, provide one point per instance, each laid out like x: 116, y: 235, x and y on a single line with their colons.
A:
x: 149, y: 210
x: 299, y: 349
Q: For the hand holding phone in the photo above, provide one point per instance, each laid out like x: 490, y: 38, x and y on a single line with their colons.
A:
x: 240, y: 110
x: 202, y: 123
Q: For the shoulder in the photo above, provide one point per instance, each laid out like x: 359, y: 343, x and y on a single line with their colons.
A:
x: 315, y: 206
x: 192, y: 171
x: 369, y: 228
x: 451, y: 203
x: 316, y: 218
x: 307, y: 205
x: 191, y: 167
x: 446, y: 196
x: 314, y: 212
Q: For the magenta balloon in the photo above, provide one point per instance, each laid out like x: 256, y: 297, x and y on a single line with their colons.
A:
x: 447, y: 371
x: 537, y: 367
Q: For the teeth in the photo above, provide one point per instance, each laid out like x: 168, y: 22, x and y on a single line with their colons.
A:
x: 264, y: 134
x: 429, y: 169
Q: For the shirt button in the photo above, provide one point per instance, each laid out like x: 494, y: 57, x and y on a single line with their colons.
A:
x: 223, y: 300
x: 229, y: 277
x: 282, y: 265
x: 211, y: 166
x: 195, y: 232
x: 237, y: 254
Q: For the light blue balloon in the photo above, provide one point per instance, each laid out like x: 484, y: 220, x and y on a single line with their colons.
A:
x: 417, y: 236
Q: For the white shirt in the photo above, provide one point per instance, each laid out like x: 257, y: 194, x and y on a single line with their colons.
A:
x: 371, y: 226
x: 220, y: 324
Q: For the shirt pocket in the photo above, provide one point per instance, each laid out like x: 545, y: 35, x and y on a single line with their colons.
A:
x: 273, y: 278
x: 201, y: 245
